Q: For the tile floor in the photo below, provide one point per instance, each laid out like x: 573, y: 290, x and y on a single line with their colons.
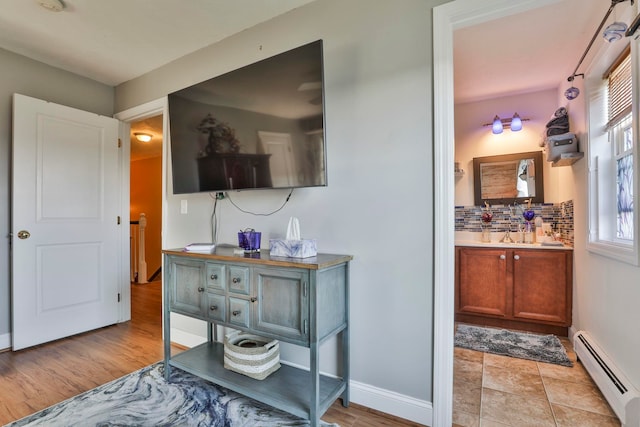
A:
x: 497, y: 391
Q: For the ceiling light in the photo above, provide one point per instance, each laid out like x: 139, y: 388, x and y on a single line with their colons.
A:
x: 142, y: 137
x: 614, y: 32
x: 52, y: 5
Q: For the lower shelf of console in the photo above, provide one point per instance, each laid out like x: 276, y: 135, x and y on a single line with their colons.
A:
x: 288, y: 389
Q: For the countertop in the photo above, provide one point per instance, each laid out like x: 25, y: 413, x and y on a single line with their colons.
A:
x: 224, y: 252
x: 497, y: 244
x: 466, y: 238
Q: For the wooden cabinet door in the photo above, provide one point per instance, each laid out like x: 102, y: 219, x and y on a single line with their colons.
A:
x: 187, y: 285
x: 282, y: 306
x: 542, y: 281
x: 481, y: 282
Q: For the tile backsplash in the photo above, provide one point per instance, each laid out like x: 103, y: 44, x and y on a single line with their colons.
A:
x: 559, y: 215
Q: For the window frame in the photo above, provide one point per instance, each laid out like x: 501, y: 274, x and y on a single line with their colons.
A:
x: 601, y: 204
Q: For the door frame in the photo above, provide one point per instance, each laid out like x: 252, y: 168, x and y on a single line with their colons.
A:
x: 446, y: 19
x: 149, y: 109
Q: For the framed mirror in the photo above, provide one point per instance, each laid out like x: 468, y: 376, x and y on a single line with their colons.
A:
x: 508, y: 178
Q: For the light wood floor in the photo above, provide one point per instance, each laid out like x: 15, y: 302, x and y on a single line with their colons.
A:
x: 35, y: 378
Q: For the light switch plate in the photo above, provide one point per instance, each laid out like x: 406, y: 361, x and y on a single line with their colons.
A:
x: 183, y: 207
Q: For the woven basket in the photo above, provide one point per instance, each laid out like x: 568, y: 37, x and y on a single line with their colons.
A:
x: 251, y: 355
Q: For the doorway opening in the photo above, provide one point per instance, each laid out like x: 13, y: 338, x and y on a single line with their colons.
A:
x: 145, y: 199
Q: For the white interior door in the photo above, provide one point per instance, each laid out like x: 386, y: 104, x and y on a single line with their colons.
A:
x: 64, y: 221
x: 281, y: 162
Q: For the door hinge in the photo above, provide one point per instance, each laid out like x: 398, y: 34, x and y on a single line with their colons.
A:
x: 118, y: 219
x: 118, y: 296
x: 119, y: 143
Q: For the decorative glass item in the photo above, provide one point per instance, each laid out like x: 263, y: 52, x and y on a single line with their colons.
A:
x: 487, y: 217
x: 572, y: 93
x: 249, y: 240
x: 528, y: 215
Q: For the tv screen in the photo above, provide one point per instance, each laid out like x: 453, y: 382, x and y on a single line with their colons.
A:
x: 260, y: 126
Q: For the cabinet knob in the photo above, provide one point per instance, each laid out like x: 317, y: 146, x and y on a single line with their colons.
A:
x: 503, y: 256
x: 213, y: 308
x: 236, y: 280
x: 253, y: 299
x: 236, y: 312
x: 201, y: 289
x: 214, y: 277
x: 516, y: 257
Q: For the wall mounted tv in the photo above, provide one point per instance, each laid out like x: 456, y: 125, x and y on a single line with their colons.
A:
x: 260, y: 126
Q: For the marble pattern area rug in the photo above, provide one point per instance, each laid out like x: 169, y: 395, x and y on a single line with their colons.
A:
x: 144, y: 398
x: 541, y: 348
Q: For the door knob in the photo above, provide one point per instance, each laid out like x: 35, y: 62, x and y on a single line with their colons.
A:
x: 516, y: 257
x: 503, y: 256
x: 23, y: 234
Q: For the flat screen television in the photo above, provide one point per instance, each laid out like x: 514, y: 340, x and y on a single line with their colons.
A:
x: 260, y: 126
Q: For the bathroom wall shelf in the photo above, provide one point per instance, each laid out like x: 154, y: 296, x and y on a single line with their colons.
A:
x: 567, y: 159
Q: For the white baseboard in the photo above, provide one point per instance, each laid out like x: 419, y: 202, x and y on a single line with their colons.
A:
x: 389, y: 402
x: 5, y: 342
x: 186, y: 339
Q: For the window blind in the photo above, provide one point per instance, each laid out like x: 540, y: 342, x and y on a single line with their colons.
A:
x: 619, y: 96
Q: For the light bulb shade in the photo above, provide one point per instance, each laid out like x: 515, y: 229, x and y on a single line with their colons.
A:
x: 497, y: 125
x: 516, y: 123
x: 142, y: 137
x: 571, y: 93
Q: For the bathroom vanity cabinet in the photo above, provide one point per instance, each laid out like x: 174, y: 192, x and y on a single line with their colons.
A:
x: 516, y: 288
x: 299, y: 301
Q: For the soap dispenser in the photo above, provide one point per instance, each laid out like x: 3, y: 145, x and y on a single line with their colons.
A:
x: 539, y: 229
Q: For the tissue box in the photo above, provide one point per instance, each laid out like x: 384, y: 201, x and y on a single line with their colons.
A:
x: 303, y: 248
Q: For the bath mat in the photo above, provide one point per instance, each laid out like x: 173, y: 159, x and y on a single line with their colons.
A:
x: 144, y: 398
x: 541, y: 348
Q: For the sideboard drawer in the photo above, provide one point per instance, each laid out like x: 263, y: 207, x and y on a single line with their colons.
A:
x: 216, y: 276
x: 239, y: 280
x: 216, y: 307
x: 239, y: 311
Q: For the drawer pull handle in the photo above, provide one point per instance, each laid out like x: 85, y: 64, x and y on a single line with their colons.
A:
x: 503, y: 256
x: 516, y: 257
x: 200, y: 289
x: 236, y: 280
x: 236, y: 312
x: 253, y: 299
x: 213, y: 307
x: 214, y: 277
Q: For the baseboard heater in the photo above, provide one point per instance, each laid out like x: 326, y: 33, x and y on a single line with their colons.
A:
x: 616, y: 388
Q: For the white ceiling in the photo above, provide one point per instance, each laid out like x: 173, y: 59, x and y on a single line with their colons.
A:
x: 113, y: 41
x: 531, y: 51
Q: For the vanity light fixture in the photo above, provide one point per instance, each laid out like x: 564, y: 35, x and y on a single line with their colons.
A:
x: 498, y: 124
x: 142, y: 137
